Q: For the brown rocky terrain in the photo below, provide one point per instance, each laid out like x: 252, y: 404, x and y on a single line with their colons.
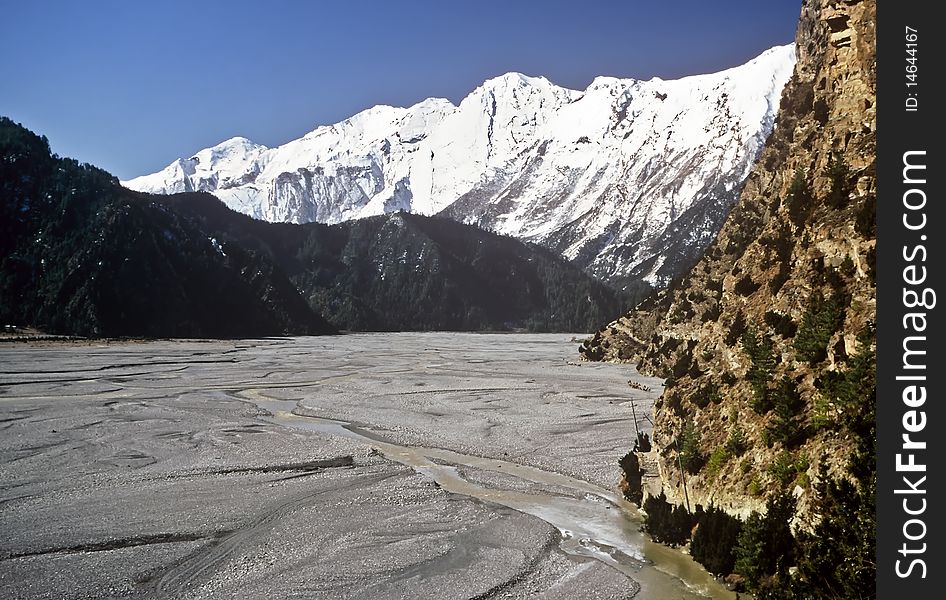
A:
x: 767, y: 344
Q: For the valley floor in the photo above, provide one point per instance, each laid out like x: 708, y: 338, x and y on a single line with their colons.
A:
x: 413, y: 465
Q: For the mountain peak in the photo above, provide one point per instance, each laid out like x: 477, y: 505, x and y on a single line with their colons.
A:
x: 514, y: 78
x: 776, y: 58
x: 602, y: 176
x: 238, y: 142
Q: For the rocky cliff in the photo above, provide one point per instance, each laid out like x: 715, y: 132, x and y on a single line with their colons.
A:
x: 768, y: 343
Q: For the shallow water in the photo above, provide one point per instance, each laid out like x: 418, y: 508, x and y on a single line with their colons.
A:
x: 593, y: 522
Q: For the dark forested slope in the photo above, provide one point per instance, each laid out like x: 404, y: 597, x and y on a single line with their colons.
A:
x: 81, y: 255
x: 405, y: 271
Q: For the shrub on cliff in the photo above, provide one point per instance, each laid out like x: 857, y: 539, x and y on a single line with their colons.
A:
x: 822, y: 318
x: 631, y: 467
x: 689, y: 448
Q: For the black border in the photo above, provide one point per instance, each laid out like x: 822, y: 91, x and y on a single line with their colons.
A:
x: 898, y: 131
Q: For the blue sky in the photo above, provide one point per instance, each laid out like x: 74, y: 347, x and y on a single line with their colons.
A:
x: 130, y: 86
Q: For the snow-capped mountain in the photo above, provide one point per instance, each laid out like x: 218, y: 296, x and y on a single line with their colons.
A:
x: 631, y: 179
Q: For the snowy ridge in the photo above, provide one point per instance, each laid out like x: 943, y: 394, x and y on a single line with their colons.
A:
x: 628, y: 178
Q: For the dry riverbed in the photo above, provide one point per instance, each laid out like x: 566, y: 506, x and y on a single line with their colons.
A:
x: 439, y: 466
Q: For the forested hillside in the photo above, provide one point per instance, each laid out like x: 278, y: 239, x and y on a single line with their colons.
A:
x: 81, y: 255
x: 405, y: 271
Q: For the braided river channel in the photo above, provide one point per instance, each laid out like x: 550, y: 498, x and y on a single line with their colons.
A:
x: 394, y: 465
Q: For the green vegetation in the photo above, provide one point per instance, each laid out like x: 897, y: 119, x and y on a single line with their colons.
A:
x: 834, y: 557
x: 800, y: 199
x: 834, y: 560
x: 666, y: 523
x: 802, y: 465
x: 762, y: 363
x: 631, y: 467
x: 766, y: 548
x: 787, y: 468
x: 745, y: 465
x: 736, y: 444
x: 824, y: 414
x: 714, y: 540
x: 837, y: 558
x: 839, y: 193
x: 688, y: 444
x: 786, y: 424
x: 843, y: 392
x: 82, y: 255
x: 823, y: 317
x: 782, y: 469
x: 718, y: 458
x: 410, y: 272
x: 755, y: 487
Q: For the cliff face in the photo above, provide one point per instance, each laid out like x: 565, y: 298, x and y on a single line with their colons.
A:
x: 768, y: 342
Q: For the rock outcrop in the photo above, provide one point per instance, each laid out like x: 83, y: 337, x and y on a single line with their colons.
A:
x: 768, y: 343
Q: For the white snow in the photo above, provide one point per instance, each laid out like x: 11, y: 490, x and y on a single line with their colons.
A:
x: 622, y: 160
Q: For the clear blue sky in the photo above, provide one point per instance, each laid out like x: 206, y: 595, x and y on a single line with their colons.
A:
x: 129, y: 86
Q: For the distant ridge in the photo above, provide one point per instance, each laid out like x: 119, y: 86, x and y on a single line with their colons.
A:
x: 629, y: 179
x: 409, y: 272
x: 81, y: 255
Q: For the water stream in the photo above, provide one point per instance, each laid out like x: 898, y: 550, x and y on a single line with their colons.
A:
x: 593, y: 522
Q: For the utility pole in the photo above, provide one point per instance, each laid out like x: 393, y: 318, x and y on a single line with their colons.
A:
x: 683, y: 475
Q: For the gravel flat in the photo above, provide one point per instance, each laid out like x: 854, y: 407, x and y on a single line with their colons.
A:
x: 155, y: 469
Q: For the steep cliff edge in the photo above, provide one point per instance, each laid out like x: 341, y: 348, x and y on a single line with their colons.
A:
x: 768, y: 343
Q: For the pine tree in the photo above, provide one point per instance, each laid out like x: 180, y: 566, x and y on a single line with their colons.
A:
x: 799, y: 198
x: 766, y: 547
x: 762, y: 363
x: 714, y: 540
x: 786, y: 426
x: 691, y: 455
